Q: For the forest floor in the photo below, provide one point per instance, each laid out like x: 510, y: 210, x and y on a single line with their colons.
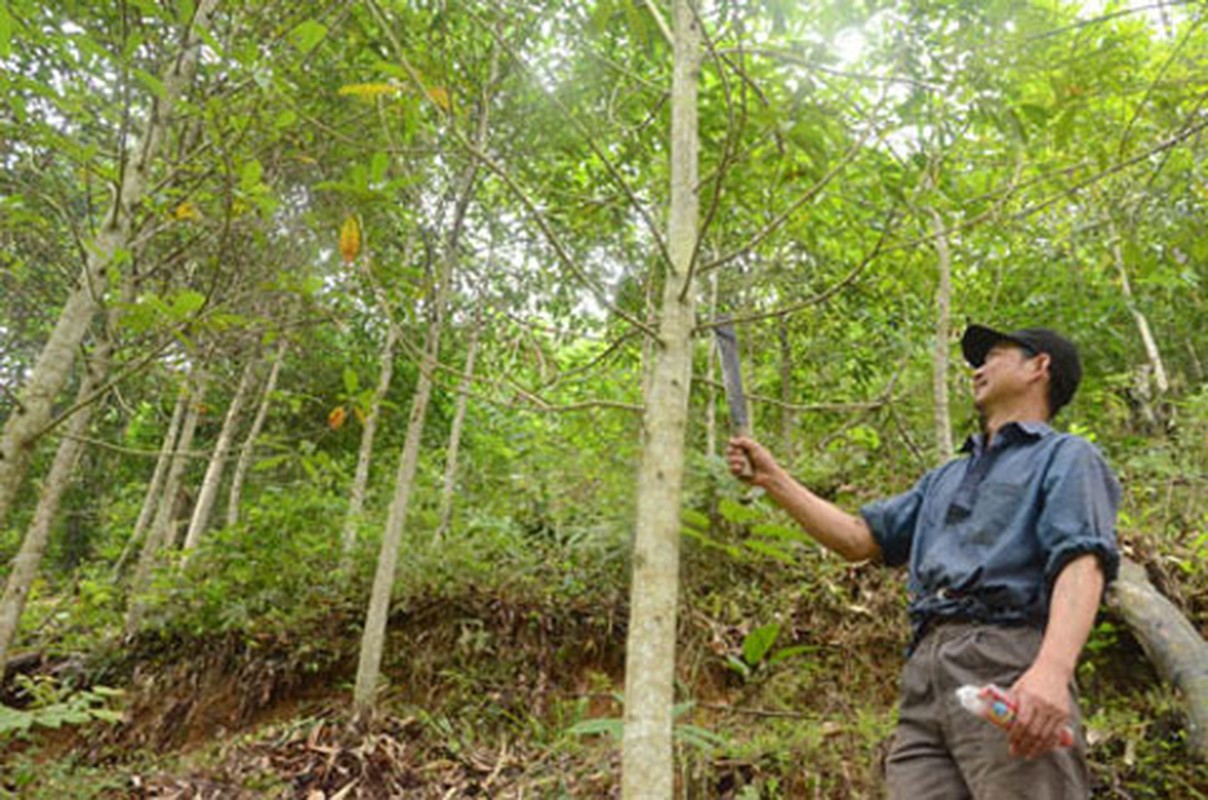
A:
x: 510, y: 689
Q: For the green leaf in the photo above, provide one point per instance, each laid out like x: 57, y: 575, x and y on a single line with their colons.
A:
x: 251, y: 174
x: 351, y: 382
x: 729, y: 549
x: 150, y: 81
x: 607, y: 726
x: 694, y: 519
x: 737, y: 513
x: 770, y: 530
x: 6, y: 31
x: 770, y: 550
x: 306, y: 37
x: 13, y: 719
x: 186, y: 304
x: 757, y: 643
x: 739, y: 666
x: 789, y: 652
x: 378, y: 167
x: 700, y: 738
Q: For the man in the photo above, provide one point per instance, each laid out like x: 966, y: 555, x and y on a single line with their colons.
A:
x: 1009, y: 550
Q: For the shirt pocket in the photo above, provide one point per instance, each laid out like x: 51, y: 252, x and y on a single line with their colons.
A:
x: 998, y: 505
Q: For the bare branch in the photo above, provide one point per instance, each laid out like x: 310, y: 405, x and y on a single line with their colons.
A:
x: 662, y: 23
x: 1109, y: 16
x: 599, y: 153
x: 822, y: 297
x: 784, y: 216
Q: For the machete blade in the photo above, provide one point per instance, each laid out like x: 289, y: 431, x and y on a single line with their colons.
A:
x: 731, y: 371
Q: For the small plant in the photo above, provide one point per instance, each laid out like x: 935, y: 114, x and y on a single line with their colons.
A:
x: 757, y: 649
x: 684, y: 733
x: 54, y: 704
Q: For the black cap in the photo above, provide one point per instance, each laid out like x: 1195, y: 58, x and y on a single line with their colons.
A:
x: 1065, y: 368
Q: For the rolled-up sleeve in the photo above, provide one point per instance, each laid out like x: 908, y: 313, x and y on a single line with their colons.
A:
x: 893, y: 521
x: 1079, y: 516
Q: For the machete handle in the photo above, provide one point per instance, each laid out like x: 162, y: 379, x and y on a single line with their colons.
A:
x: 746, y: 470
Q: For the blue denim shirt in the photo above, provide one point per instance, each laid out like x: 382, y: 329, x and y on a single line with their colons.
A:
x: 987, y: 535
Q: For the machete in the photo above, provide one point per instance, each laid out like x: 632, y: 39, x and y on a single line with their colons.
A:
x: 731, y: 372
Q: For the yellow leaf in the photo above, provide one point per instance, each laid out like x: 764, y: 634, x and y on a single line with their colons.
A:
x: 335, y: 420
x: 186, y: 211
x: 440, y: 97
x: 367, y: 91
x: 350, y: 239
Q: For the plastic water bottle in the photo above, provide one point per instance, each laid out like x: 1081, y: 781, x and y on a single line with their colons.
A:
x: 996, y: 705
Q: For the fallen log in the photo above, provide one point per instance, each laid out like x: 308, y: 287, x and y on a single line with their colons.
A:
x: 1175, y: 647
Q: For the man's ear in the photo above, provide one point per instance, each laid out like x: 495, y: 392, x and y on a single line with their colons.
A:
x: 1042, y: 362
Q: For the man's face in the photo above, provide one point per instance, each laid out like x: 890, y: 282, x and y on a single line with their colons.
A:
x: 1008, y: 373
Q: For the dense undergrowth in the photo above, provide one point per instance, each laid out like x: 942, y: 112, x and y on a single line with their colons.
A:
x: 505, y: 670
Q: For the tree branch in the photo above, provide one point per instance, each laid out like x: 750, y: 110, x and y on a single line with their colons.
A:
x: 822, y: 297
x: 783, y: 217
x: 542, y: 221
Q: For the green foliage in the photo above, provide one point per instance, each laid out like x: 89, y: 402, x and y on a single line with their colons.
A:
x: 270, y: 575
x: 52, y: 705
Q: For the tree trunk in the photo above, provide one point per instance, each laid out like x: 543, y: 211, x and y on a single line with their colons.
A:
x: 248, y: 451
x: 360, y: 482
x: 786, y: 392
x: 1173, y: 644
x: 710, y: 374
x: 145, y: 514
x: 33, y: 547
x: 459, y: 418
x: 162, y: 530
x: 208, y: 493
x: 647, y: 769
x: 54, y: 364
x: 373, y: 639
x: 1147, y: 339
x: 943, y: 324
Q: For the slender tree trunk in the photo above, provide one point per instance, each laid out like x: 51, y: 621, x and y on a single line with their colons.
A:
x: 943, y: 325
x: 248, y: 451
x: 54, y: 364
x: 1147, y: 338
x: 647, y: 769
x: 208, y: 493
x: 711, y: 373
x: 33, y: 547
x: 373, y: 639
x: 154, y: 488
x: 786, y: 392
x: 360, y: 482
x: 459, y: 418
x: 163, y: 528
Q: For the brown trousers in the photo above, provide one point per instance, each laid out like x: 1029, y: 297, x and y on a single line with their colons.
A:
x: 942, y: 752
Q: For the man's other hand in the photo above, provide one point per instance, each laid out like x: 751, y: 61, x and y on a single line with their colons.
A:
x: 1043, y: 696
